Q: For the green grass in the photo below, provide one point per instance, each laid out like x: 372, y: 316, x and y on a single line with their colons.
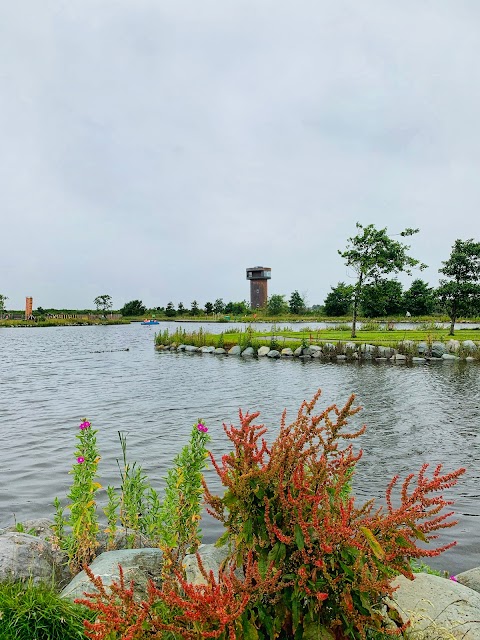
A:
x: 385, y: 338
x: 29, y: 612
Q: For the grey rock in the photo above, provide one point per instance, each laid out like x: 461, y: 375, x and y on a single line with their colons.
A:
x: 207, y: 349
x: 139, y: 565
x: 313, y: 348
x: 191, y: 349
x: 248, y: 352
x: 341, y: 357
x: 328, y: 347
x: 399, y: 357
x: 287, y: 352
x: 235, y: 351
x: 219, y: 351
x: 418, y: 359
x: 453, y: 346
x: 469, y: 345
x: 470, y: 578
x: 380, y: 359
x: 39, y: 527
x: 469, y: 359
x: 23, y: 556
x: 212, y: 558
x: 385, y: 352
x: 438, y: 349
x: 369, y: 348
x: 263, y: 351
x: 181, y: 347
x: 307, y: 351
x: 317, y: 354
x: 298, y: 352
x: 449, y: 356
x: 422, y: 348
x: 350, y: 346
x: 432, y: 603
x: 273, y: 354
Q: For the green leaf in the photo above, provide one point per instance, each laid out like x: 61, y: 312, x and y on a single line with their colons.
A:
x: 418, y: 534
x: 316, y: 631
x: 249, y: 630
x: 299, y: 537
x: 373, y: 543
x: 401, y: 541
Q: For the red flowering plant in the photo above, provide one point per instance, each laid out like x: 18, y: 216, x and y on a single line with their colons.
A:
x: 290, y: 505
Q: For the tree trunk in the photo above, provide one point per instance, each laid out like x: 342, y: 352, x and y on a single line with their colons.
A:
x: 452, y: 326
x: 356, y: 299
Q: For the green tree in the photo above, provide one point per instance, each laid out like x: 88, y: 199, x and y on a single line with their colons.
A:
x: 382, y: 298
x: 103, y: 303
x: 296, y: 303
x: 170, y: 310
x: 208, y: 308
x: 237, y: 308
x: 133, y: 308
x: 219, y: 306
x: 419, y: 300
x: 372, y: 254
x: 180, y: 309
x: 3, y: 299
x: 460, y: 292
x: 276, y: 305
x: 339, y: 301
x: 195, y: 311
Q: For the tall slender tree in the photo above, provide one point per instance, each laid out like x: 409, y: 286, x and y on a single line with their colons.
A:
x: 372, y: 254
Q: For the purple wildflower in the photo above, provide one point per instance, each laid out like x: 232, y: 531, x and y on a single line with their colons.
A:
x: 80, y: 459
x: 84, y: 425
x: 201, y: 427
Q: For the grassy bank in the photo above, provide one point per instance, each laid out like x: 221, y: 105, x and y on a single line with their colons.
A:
x: 61, y: 322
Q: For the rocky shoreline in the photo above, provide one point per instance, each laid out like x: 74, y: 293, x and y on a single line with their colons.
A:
x: 436, y: 607
x: 405, y: 352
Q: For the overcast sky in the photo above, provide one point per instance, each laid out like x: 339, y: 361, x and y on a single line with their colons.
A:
x: 155, y: 150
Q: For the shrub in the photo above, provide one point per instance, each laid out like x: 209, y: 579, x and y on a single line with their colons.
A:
x: 290, y: 504
x: 314, y: 564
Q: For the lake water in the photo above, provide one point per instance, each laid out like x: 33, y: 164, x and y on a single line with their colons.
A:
x: 51, y: 378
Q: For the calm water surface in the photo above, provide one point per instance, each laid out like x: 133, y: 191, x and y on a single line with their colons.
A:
x: 50, y: 378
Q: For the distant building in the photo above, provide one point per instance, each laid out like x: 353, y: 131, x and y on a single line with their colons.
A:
x: 28, y: 307
x: 259, y: 277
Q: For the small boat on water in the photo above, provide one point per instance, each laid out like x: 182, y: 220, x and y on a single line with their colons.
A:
x: 148, y: 323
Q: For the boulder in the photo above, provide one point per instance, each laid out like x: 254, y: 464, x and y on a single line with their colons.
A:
x: 235, y: 351
x: 422, y: 348
x: 189, y: 348
x: 470, y: 578
x: 248, y: 352
x: 207, y: 349
x: 39, y: 527
x: 139, y: 565
x: 341, y: 358
x: 181, y: 347
x: 313, y: 348
x: 219, y: 351
x: 449, y: 356
x: 23, y: 556
x: 120, y: 540
x: 469, y: 346
x: 273, y: 354
x: 263, y: 351
x: 350, y: 346
x: 211, y: 556
x: 435, y: 605
x: 399, y: 357
x: 286, y: 353
x: 298, y: 352
x: 317, y: 354
x: 438, y: 349
x: 453, y: 346
x: 418, y: 359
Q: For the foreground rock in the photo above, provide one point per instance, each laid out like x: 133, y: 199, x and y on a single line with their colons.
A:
x: 437, y: 607
x: 139, y: 565
x: 470, y: 578
x: 24, y: 557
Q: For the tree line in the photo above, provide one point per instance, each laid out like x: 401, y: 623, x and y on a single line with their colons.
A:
x: 371, y: 256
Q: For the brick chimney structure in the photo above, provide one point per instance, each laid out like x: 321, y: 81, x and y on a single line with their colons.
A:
x: 259, y: 277
x: 28, y: 307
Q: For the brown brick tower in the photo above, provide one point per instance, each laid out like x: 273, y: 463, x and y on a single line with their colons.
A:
x: 28, y: 307
x: 258, y: 277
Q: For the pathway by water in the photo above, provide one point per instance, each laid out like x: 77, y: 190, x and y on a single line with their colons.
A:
x: 51, y: 378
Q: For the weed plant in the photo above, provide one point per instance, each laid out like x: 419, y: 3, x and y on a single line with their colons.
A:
x: 314, y: 564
